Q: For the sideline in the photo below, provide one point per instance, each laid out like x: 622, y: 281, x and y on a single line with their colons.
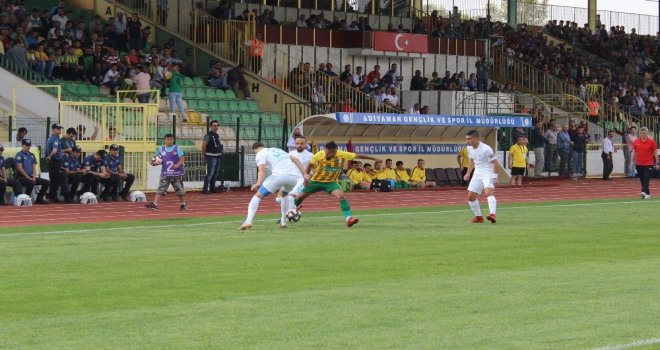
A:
x: 328, y: 217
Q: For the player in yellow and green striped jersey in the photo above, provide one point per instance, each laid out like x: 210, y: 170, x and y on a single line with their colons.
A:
x: 325, y: 168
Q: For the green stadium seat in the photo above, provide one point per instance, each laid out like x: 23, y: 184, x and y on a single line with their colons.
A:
x: 198, y: 82
x: 213, y: 105
x: 189, y: 93
x: 210, y: 93
x: 252, y: 106
x: 94, y: 99
x: 233, y: 106
x: 187, y: 82
x: 227, y: 120
x: 200, y: 93
x: 106, y: 99
x: 243, y: 106
x: 70, y: 87
x: 203, y: 105
x: 230, y: 95
x: 93, y: 90
x: 220, y: 94
x: 223, y: 106
x: 193, y: 104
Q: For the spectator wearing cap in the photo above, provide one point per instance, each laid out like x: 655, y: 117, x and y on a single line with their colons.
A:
x: 5, y: 180
x: 54, y: 158
x: 94, y: 164
x: 74, y: 170
x: 26, y: 166
x: 68, y: 141
x: 117, y: 175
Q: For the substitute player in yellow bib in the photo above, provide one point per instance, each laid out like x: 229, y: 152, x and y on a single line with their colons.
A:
x: 325, y: 168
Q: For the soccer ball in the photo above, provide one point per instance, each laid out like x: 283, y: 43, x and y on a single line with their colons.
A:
x: 157, y: 160
x: 293, y: 215
x: 138, y: 196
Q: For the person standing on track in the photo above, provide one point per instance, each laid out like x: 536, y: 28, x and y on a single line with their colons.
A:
x: 172, y: 172
x: 326, y: 166
x: 285, y: 170
x: 485, y: 165
x: 58, y: 179
x: 646, y: 155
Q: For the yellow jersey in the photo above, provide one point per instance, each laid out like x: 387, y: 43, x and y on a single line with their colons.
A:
x: 366, y: 176
x: 328, y: 170
x: 518, y: 155
x: 355, y: 175
x: 385, y: 173
x: 465, y: 160
x: 402, y: 174
x: 418, y: 174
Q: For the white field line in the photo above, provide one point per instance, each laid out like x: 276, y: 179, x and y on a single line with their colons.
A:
x: 635, y: 344
x: 327, y: 217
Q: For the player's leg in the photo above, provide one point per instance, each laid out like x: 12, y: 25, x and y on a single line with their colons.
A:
x: 269, y: 186
x: 177, y: 185
x: 474, y: 189
x: 307, y: 191
x: 163, y: 185
x: 334, y: 190
x: 489, y: 191
x: 289, y: 184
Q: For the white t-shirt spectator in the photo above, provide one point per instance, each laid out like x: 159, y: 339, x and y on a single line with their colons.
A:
x: 110, y: 74
x: 61, y: 19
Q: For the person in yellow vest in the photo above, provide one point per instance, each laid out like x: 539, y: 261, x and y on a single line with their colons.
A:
x: 387, y: 176
x: 518, y: 161
x: 594, y: 109
x: 255, y: 52
x: 463, y: 163
x: 367, y: 173
x: 402, y: 177
x: 418, y: 176
x: 356, y: 173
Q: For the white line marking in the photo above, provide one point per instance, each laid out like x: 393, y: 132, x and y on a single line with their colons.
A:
x: 634, y: 344
x: 334, y: 217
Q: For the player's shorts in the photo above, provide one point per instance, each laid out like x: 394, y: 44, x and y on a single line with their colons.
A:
x: 283, y: 183
x: 315, y: 186
x: 517, y: 171
x: 175, y: 181
x: 479, y: 182
x: 299, y: 186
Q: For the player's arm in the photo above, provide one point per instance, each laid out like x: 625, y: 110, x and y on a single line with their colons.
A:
x: 469, y: 170
x: 364, y: 156
x: 459, y: 159
x: 21, y: 170
x: 656, y: 153
x: 204, y: 146
x: 496, y: 167
x: 261, y: 176
x: 300, y: 166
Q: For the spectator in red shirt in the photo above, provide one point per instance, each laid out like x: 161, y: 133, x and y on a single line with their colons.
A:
x: 646, y: 152
x: 374, y: 74
x: 347, y: 106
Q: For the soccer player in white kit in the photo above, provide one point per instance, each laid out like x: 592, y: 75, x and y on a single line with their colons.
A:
x: 285, y: 171
x: 485, y: 165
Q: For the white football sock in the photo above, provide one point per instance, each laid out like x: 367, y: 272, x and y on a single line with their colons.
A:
x: 476, y: 209
x: 284, y: 207
x: 292, y: 203
x: 252, y: 209
x: 492, y: 204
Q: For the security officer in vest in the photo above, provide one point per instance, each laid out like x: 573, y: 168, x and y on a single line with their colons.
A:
x: 255, y: 52
x: 5, y: 180
x: 211, y: 151
x: 26, y: 166
x: 74, y: 170
x: 58, y: 179
x: 118, y: 174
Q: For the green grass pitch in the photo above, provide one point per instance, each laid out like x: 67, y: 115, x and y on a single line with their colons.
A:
x: 564, y: 275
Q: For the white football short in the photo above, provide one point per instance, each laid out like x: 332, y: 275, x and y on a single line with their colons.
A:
x: 479, y: 182
x: 273, y: 183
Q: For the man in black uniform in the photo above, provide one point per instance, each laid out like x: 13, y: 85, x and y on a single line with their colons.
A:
x: 5, y: 180
x: 117, y: 175
x: 26, y: 166
x: 58, y: 179
x: 74, y: 171
x: 211, y: 152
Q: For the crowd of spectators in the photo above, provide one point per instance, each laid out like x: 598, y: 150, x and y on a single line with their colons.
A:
x: 62, y: 47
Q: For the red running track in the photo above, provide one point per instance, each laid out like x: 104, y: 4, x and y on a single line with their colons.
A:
x: 235, y: 203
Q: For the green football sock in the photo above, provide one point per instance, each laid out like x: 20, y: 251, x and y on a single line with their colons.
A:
x: 345, y: 207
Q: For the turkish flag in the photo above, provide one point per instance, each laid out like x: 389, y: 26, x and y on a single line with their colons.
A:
x: 401, y: 42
